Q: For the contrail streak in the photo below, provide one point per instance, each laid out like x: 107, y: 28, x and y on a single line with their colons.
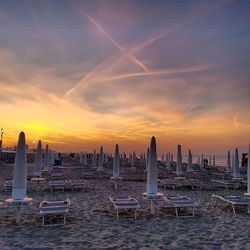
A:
x: 131, y: 56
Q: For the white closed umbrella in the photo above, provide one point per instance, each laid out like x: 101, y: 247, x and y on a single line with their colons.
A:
x: 179, y: 170
x: 85, y: 163
x: 190, y: 163
x: 147, y: 163
x: 81, y: 158
x: 236, y: 170
x: 228, y: 161
x: 202, y: 162
x: 214, y: 161
x: 20, y: 169
x: 100, y: 162
x: 152, y: 182
x: 133, y: 159
x: 116, y: 164
x: 248, y: 171
x: 94, y: 159
x: 46, y: 158
x: 38, y: 160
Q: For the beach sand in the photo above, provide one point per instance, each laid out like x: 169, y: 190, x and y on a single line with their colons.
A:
x: 91, y: 224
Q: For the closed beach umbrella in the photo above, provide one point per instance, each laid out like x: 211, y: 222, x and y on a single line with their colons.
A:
x: 228, y: 161
x: 147, y: 163
x: 85, y: 159
x: 190, y: 159
x: 38, y: 160
x: 152, y: 182
x: 46, y: 158
x: 248, y: 171
x: 179, y: 161
x: 236, y: 172
x: 202, y: 162
x: 116, y: 164
x: 168, y: 161
x: 214, y: 161
x: 133, y: 159
x: 94, y: 159
x: 20, y: 169
x: 100, y: 162
x: 52, y: 158
x: 81, y: 158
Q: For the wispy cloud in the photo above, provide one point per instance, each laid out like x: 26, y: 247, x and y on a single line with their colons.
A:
x: 130, y: 56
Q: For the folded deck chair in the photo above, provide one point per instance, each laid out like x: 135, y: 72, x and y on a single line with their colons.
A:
x: 129, y: 203
x: 233, y: 200
x: 178, y: 203
x: 54, y: 208
x: 58, y: 184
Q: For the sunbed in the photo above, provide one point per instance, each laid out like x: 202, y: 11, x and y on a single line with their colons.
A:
x: 233, y: 200
x: 58, y: 184
x: 225, y: 184
x: 180, y: 203
x: 54, y: 208
x: 129, y: 203
x: 76, y: 184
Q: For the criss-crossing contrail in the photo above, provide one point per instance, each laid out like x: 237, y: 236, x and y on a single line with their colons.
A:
x: 130, y: 56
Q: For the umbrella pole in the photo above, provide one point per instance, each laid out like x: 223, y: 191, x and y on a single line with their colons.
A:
x: 18, y: 214
x: 152, y: 207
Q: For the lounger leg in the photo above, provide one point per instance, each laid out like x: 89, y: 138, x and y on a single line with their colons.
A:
x: 193, y: 212
x: 18, y: 214
x: 152, y: 207
x: 117, y: 214
x: 135, y: 214
x: 64, y: 221
x: 43, y: 221
x: 176, y: 212
x: 233, y: 208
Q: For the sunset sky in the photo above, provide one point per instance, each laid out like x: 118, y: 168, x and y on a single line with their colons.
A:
x: 78, y: 74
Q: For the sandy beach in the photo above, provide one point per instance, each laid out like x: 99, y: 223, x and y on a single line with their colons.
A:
x: 92, y: 224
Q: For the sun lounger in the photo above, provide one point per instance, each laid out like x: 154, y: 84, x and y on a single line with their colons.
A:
x: 57, y: 176
x: 58, y: 184
x: 233, y: 200
x: 76, y: 184
x: 193, y: 183
x: 170, y: 183
x: 124, y: 204
x: 180, y: 202
x: 54, y: 208
x: 225, y: 184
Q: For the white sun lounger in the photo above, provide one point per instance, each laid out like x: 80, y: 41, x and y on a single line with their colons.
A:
x: 54, y: 208
x: 76, y: 184
x: 58, y: 184
x: 225, y: 184
x: 180, y: 202
x: 129, y: 203
x: 233, y: 200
